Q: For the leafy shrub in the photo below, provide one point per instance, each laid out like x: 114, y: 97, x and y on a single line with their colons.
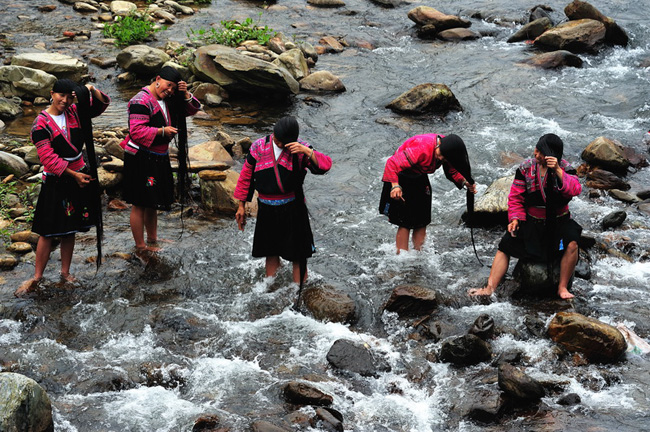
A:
x: 233, y: 33
x: 129, y: 30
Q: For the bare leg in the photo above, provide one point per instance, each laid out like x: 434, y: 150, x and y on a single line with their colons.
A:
x: 141, y: 218
x: 419, y: 235
x: 402, y: 239
x: 567, y: 266
x: 43, y: 249
x: 296, y: 272
x: 67, y: 248
x: 272, y: 265
x: 499, y: 269
x: 151, y: 224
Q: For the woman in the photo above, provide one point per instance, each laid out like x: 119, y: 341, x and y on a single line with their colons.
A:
x: 148, y: 182
x: 540, y: 227
x: 66, y: 203
x: 276, y: 167
x: 406, y: 196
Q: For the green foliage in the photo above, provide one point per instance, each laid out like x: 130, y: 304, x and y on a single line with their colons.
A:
x: 129, y: 30
x: 233, y: 33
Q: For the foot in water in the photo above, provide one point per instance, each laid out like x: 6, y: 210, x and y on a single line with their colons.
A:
x: 155, y: 243
x: 27, y: 287
x: 480, y: 292
x: 564, y: 294
x: 68, y: 278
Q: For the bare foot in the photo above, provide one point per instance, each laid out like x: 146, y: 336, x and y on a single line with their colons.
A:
x: 147, y: 248
x: 157, y: 242
x: 480, y: 291
x: 67, y: 277
x: 564, y: 294
x: 27, y: 287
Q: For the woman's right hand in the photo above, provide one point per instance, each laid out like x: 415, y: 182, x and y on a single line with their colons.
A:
x: 513, y: 227
x: 396, y: 192
x: 82, y: 179
x: 169, y: 131
x: 240, y: 216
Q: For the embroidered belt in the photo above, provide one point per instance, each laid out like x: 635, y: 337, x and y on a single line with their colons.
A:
x: 276, y: 202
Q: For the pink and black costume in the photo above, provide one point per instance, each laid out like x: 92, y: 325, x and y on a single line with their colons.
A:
x: 282, y: 227
x: 410, y: 166
x: 63, y: 207
x: 148, y: 180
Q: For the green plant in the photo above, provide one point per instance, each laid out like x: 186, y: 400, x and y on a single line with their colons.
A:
x: 130, y: 29
x: 233, y: 33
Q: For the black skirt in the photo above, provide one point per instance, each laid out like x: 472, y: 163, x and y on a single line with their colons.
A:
x: 415, y: 211
x: 64, y: 208
x: 530, y: 243
x: 283, y: 231
x: 148, y: 180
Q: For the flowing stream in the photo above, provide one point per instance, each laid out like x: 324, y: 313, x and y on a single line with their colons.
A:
x: 138, y: 349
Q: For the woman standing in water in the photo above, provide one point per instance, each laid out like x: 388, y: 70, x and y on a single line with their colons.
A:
x: 66, y: 203
x: 148, y: 181
x: 276, y: 167
x: 406, y: 196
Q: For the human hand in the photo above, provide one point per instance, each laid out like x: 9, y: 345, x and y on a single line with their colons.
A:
x: 90, y: 87
x: 182, y: 88
x: 396, y: 192
x: 82, y: 179
x: 240, y: 217
x: 169, y: 131
x: 471, y: 187
x: 513, y: 227
x: 296, y: 147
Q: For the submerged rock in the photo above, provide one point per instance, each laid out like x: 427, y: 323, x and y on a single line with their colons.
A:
x: 328, y: 304
x: 303, y: 394
x: 353, y: 357
x: 24, y: 405
x: 411, y: 300
x: 519, y: 386
x: 575, y: 36
x: 426, y: 98
x: 465, y: 350
x: 554, y: 59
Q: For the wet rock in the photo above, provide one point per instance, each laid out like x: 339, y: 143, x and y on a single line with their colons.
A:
x: 426, y: 98
x: 569, y: 399
x: 465, y: 350
x: 208, y: 423
x: 218, y: 195
x: 293, y: 61
x: 331, y: 44
x: 411, y: 300
x: 425, y: 15
x: 531, y: 30
x: 108, y: 179
x: 583, y: 266
x: 303, y: 394
x: 519, y: 386
x: 614, y: 219
x: 59, y: 65
x: 142, y: 59
x: 482, y: 404
x: 554, y: 59
x: 483, y: 327
x: 19, y: 247
x: 205, y: 89
x: 123, y: 8
x: 329, y: 304
x: 602, y: 179
x: 326, y: 3
x: 576, y: 36
x: 597, y: 341
x: 210, y: 151
x: 327, y: 421
x: 457, y: 34
x: 491, y: 208
x: 352, y: 357
x: 264, y: 426
x: 322, y: 81
x: 8, y: 262
x: 534, y: 278
x: 12, y: 164
x: 607, y: 154
x: 9, y: 109
x: 626, y: 197
x: 577, y: 10
x: 25, y: 405
x: 165, y: 376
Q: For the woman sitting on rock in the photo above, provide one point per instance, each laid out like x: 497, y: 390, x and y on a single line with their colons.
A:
x: 67, y: 201
x: 540, y: 226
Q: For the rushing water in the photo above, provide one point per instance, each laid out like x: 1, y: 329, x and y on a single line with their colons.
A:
x: 140, y: 350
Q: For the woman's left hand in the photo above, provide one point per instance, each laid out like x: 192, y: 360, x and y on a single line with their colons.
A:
x: 471, y: 187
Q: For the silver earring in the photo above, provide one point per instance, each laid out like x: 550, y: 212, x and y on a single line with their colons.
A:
x: 157, y: 85
x: 51, y: 101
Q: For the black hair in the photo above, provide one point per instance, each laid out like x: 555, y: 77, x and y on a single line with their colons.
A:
x: 286, y: 130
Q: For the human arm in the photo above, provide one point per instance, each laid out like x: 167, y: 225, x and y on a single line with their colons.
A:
x: 82, y: 179
x: 240, y: 215
x: 98, y: 102
x: 192, y: 104
x: 568, y: 183
x: 516, y: 198
x: 42, y: 138
x: 317, y: 162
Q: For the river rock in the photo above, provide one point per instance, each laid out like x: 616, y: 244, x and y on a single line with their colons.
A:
x: 210, y: 151
x: 482, y: 404
x: 602, y: 179
x: 59, y: 65
x: 331, y: 44
x: 411, y: 300
x: 123, y: 8
x: 534, y: 279
x: 426, y: 98
x: 113, y: 148
x: 328, y: 419
x: 12, y: 164
x: 31, y: 157
x: 304, y: 394
x: 626, y: 197
x: 264, y: 426
x: 465, y: 350
x: 19, y: 248
x: 108, y: 179
x: 113, y: 165
x: 425, y: 15
x: 597, y: 341
x: 329, y: 304
x: 293, y: 61
x: 531, y: 30
x: 519, y: 386
x: 483, y: 327
x: 324, y: 81
x: 326, y: 3
x: 614, y: 219
x: 142, y: 59
x: 25, y: 82
x: 9, y: 109
x: 457, y: 34
x: 84, y: 7
x: 25, y: 405
x: 569, y: 399
x: 575, y: 36
x: 607, y: 154
x: 185, y: 10
x: 212, y: 175
x: 206, y: 423
x: 8, y: 262
x: 164, y: 16
x: 491, y: 208
x: 204, y: 89
x: 578, y: 9
x: 218, y: 195
x: 25, y: 236
x: 353, y: 357
x: 554, y: 60
x: 238, y: 73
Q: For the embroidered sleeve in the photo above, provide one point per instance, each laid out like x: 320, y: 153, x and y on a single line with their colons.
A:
x: 516, y: 209
x: 324, y: 161
x: 453, y: 175
x: 41, y: 137
x: 245, y: 183
x: 97, y: 107
x: 139, y: 130
x: 570, y: 185
x: 192, y: 106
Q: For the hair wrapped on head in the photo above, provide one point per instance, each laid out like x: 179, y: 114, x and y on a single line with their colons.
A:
x: 65, y: 86
x: 286, y: 130
x: 550, y: 145
x: 170, y: 74
x: 453, y: 149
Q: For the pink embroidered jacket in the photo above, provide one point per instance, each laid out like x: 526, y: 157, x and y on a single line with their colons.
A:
x: 528, y: 198
x: 58, y: 149
x: 146, y: 118
x: 417, y: 154
x: 273, y: 179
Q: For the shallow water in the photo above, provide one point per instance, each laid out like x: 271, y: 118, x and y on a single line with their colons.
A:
x: 203, y: 332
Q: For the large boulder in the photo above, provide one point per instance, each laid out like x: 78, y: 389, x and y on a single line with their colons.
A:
x: 59, y: 65
x: 9, y: 109
x: 323, y: 81
x: 25, y: 82
x: 239, y: 73
x: 411, y: 300
x: 142, y: 59
x: 554, y: 60
x: 491, y: 208
x: 576, y: 36
x: 329, y: 304
x: 607, y: 154
x: 293, y: 61
x: 426, y: 98
x: 597, y: 341
x: 534, y: 278
x: 210, y: 151
x: 24, y: 405
x: 12, y: 164
x: 465, y: 350
x: 354, y: 357
x: 578, y: 9
x: 425, y: 15
x: 531, y: 30
x: 603, y: 179
x: 217, y: 195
